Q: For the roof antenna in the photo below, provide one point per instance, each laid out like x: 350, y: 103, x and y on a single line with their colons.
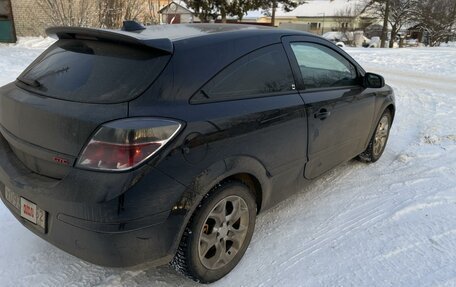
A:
x: 130, y: 25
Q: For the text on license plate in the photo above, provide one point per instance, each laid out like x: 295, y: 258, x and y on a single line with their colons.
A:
x: 28, y: 209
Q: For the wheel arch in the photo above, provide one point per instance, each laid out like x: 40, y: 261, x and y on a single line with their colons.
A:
x: 245, y: 169
x: 252, y: 183
x: 392, y: 108
x: 387, y: 105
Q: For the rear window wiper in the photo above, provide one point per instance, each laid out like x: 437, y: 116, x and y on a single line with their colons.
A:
x: 36, y: 83
x: 29, y: 82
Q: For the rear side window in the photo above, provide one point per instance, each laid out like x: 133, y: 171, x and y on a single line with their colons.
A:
x: 322, y: 67
x: 93, y: 71
x: 263, y: 72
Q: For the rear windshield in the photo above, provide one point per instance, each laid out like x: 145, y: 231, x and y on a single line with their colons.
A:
x: 93, y: 71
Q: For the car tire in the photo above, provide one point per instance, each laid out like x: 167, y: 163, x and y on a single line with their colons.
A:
x: 377, y: 144
x: 218, y: 233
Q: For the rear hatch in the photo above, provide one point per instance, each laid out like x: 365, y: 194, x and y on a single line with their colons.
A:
x: 80, y: 82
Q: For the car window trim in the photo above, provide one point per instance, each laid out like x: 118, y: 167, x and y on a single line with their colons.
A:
x: 230, y: 99
x: 192, y: 101
x: 318, y: 44
x: 300, y: 85
x: 323, y: 89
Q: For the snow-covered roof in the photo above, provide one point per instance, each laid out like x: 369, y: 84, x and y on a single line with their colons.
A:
x: 253, y: 14
x: 320, y: 8
x: 181, y: 4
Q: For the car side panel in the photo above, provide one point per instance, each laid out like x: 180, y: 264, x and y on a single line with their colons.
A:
x: 271, y: 130
x: 343, y: 133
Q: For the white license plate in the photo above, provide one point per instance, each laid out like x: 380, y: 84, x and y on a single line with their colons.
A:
x: 28, y: 209
x: 12, y: 198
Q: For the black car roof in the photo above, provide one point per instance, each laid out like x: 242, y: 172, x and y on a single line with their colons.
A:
x: 178, y: 32
x: 162, y: 37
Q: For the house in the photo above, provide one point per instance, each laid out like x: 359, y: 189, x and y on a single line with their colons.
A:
x: 176, y: 13
x: 323, y: 16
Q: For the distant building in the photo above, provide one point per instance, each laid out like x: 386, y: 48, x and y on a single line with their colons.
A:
x: 175, y: 13
x: 323, y: 16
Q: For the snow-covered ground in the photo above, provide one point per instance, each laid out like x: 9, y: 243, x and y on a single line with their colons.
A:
x: 392, y: 223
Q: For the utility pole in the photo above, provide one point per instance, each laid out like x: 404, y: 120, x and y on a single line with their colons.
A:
x: 385, y: 24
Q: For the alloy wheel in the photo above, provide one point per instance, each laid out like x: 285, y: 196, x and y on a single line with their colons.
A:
x: 381, y: 135
x: 223, y: 232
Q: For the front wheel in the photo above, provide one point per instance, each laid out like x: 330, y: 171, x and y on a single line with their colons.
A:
x: 379, y: 139
x: 218, y: 234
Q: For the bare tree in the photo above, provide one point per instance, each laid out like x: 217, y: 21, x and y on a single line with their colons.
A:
x: 385, y: 24
x: 113, y: 12
x: 133, y: 9
x: 151, y: 12
x: 68, y: 12
x: 98, y: 13
x: 396, y: 13
x: 109, y: 13
x: 436, y: 18
x: 400, y: 14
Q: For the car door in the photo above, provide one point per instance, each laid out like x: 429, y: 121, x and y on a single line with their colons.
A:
x: 339, y: 110
x: 255, y: 109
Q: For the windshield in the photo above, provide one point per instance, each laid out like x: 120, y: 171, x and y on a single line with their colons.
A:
x: 93, y: 71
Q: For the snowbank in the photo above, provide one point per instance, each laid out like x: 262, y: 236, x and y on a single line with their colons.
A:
x: 440, y: 60
x: 449, y: 44
x: 31, y: 42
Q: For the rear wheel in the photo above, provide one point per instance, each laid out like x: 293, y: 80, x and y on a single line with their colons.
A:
x: 218, y: 234
x: 379, y: 139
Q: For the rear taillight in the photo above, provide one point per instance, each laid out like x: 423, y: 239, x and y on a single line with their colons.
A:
x: 123, y: 144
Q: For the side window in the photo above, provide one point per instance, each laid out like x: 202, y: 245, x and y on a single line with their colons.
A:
x: 322, y: 67
x: 263, y: 72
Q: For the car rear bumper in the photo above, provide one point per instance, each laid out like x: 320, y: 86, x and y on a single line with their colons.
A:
x: 111, y: 221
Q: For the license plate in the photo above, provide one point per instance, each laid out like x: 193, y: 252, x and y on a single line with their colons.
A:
x: 28, y: 210
x: 12, y: 198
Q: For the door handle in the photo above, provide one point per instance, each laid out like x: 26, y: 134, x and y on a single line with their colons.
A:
x: 322, y: 114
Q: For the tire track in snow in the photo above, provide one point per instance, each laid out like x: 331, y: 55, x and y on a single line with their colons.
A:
x: 418, y: 207
x: 323, y: 238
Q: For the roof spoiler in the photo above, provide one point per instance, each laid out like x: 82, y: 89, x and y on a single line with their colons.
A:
x: 162, y: 44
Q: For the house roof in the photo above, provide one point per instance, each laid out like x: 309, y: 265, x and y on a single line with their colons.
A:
x: 318, y: 8
x: 180, y: 4
x: 313, y: 8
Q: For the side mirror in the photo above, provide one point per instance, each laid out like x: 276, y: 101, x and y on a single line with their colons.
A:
x: 374, y: 81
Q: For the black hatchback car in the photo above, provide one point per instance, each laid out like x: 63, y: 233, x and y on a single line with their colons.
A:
x: 162, y: 144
